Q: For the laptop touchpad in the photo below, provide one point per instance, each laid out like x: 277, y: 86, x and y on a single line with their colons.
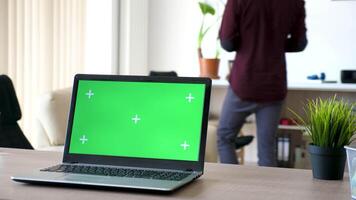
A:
x: 84, y: 178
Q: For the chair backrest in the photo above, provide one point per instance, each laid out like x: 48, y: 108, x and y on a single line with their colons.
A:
x: 11, y: 135
x: 163, y: 73
x: 9, y: 105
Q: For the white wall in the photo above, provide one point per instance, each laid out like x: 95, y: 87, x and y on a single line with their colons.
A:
x: 172, y: 31
x: 174, y: 24
x: 98, y: 49
x: 332, y: 41
x: 133, y: 37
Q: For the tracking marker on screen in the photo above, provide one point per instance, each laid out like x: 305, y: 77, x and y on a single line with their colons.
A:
x: 89, y: 94
x: 136, y: 119
x: 185, y: 145
x: 83, y: 139
x: 189, y: 98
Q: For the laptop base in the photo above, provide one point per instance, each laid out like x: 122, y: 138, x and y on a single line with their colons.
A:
x: 65, y: 179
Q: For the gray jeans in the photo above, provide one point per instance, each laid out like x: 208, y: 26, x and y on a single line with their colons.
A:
x: 232, y: 118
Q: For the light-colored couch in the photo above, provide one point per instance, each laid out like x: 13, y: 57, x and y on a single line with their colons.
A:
x: 51, y: 120
x: 51, y: 127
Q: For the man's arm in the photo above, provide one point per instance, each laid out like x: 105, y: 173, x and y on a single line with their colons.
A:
x: 229, y: 30
x: 298, y: 38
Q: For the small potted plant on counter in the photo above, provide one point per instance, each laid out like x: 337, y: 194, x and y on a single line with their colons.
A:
x: 209, y: 67
x: 330, y: 123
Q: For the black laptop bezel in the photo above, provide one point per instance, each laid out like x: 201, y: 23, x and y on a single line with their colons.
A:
x: 139, y: 162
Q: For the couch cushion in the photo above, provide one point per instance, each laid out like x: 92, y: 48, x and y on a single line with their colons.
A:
x: 53, y: 114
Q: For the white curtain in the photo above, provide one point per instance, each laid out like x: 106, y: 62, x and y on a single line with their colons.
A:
x: 42, y: 47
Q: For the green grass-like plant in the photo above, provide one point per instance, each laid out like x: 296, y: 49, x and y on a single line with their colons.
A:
x: 330, y: 123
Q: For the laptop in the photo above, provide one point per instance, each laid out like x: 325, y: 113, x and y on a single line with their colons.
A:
x: 132, y: 132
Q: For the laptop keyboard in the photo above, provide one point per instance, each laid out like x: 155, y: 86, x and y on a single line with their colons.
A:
x: 119, y: 172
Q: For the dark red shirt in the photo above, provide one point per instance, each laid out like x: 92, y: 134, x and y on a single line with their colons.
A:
x: 261, y: 31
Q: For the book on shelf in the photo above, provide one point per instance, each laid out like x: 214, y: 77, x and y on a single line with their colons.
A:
x: 287, y: 142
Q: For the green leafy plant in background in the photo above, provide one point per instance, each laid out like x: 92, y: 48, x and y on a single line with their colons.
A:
x: 329, y: 123
x: 206, y: 9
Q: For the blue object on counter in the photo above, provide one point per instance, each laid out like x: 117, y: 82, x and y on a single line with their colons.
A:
x: 322, y: 76
x: 316, y: 77
x: 313, y: 77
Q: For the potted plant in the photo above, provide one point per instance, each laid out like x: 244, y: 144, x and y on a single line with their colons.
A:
x: 330, y: 123
x: 209, y: 67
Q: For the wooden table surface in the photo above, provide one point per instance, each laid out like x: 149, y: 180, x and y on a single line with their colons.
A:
x: 218, y: 182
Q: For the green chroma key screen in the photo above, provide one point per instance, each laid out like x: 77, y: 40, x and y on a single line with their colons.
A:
x: 138, y: 119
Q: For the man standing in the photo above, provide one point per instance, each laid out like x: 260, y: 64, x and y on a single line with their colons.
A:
x: 260, y: 31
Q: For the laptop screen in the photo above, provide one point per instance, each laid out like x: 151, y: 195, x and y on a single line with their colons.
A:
x: 138, y: 119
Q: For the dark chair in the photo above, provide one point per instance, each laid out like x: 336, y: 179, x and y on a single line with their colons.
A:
x: 242, y: 141
x: 159, y: 73
x: 11, y: 135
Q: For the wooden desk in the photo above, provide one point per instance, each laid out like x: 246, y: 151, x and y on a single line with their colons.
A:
x: 219, y: 182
